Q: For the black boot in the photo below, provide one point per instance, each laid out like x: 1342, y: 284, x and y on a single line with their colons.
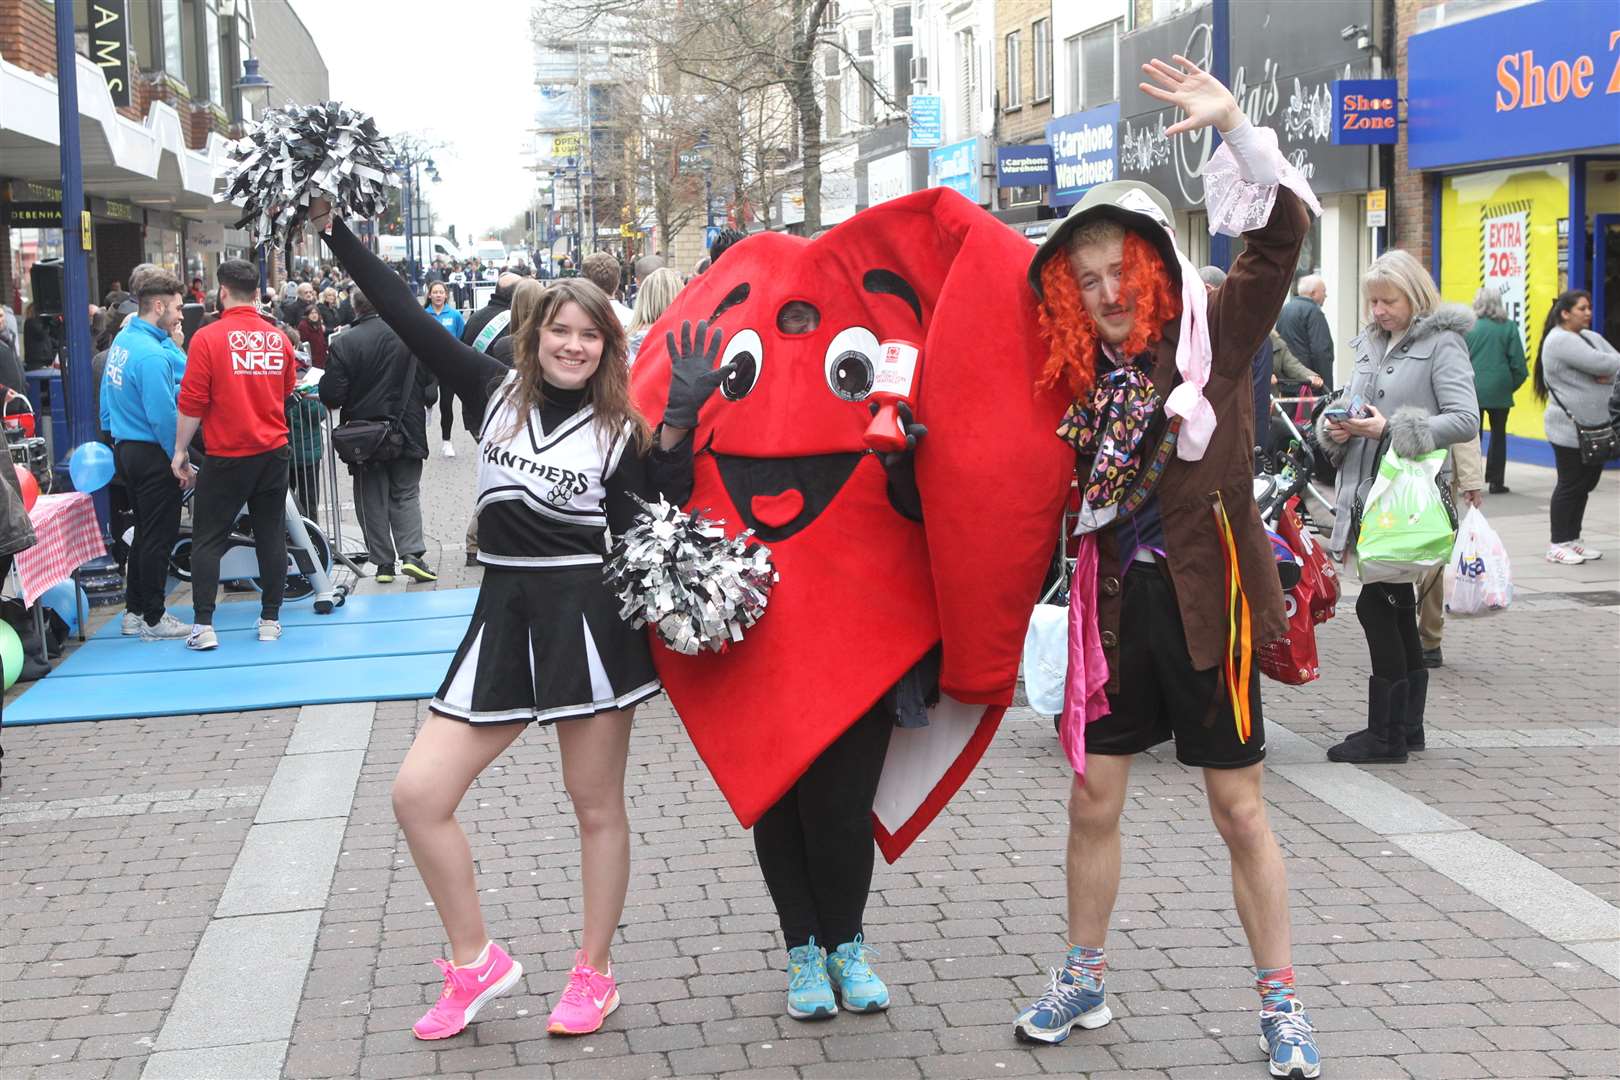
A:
x: 1417, y: 696
x: 1384, y: 740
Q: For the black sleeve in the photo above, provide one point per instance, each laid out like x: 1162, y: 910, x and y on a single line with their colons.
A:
x: 461, y: 369
x: 658, y: 472
x: 334, y: 385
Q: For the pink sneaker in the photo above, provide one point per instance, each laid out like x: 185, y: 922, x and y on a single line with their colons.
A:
x: 466, y: 990
x: 587, y: 1000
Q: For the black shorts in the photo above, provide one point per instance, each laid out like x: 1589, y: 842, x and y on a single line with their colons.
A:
x: 1161, y: 696
x: 545, y: 645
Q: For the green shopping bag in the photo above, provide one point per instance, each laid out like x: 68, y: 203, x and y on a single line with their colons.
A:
x: 1407, y: 524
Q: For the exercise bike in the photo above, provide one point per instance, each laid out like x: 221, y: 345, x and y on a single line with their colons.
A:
x: 309, y: 557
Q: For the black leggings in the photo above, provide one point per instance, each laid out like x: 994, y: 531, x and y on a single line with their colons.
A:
x: 1496, y: 457
x: 1576, y: 479
x: 447, y: 412
x: 1389, y: 618
x: 815, y: 845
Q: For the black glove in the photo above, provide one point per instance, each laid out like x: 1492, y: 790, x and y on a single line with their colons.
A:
x: 692, y: 374
x: 901, y: 466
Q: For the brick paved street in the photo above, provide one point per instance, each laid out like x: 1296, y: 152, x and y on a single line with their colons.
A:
x: 1453, y: 917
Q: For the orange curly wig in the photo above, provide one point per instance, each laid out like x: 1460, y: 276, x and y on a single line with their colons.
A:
x: 1071, y: 332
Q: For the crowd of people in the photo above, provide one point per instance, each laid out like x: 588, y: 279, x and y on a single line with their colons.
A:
x: 222, y: 418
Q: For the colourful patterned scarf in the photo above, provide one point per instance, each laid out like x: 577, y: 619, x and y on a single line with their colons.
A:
x: 1111, y: 426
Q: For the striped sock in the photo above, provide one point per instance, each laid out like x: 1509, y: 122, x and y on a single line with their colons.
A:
x: 1275, y: 986
x: 1086, y: 966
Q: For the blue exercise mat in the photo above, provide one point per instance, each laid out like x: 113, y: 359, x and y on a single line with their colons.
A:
x: 382, y: 647
x: 373, y: 608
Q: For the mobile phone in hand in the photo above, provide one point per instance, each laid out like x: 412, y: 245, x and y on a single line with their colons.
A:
x: 1336, y: 414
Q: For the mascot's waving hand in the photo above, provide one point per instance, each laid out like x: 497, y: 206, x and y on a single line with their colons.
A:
x: 875, y: 426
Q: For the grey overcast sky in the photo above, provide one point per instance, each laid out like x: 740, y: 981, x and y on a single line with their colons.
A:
x: 457, y: 71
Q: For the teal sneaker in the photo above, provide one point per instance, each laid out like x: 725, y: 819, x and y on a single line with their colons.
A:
x: 854, y: 982
x: 810, y: 995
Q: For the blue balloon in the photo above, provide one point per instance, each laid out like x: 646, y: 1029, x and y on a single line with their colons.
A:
x: 61, y: 598
x: 91, y: 467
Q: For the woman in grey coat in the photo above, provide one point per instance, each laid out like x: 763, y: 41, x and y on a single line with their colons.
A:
x: 1576, y: 369
x: 1412, y: 390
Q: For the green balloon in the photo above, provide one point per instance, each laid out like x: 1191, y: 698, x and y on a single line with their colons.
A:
x: 11, y: 652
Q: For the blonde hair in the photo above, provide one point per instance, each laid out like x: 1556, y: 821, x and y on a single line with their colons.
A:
x: 525, y: 298
x: 1398, y: 268
x: 658, y: 291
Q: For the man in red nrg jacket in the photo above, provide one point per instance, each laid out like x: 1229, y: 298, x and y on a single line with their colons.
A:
x: 239, y: 374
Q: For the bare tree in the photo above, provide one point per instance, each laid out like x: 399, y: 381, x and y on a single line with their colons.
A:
x: 761, y: 53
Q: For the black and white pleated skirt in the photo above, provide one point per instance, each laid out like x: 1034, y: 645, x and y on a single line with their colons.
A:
x: 545, y: 645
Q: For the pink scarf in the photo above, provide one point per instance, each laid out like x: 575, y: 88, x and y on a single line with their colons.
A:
x: 1085, y: 697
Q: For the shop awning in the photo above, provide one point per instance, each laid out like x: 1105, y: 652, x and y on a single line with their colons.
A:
x: 144, y: 162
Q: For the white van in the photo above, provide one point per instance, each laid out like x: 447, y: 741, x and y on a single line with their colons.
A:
x: 489, y: 252
x: 428, y: 248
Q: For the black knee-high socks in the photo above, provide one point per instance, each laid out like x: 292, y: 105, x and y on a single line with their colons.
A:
x: 815, y: 845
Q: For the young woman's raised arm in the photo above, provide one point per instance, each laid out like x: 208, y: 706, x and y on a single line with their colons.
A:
x: 462, y: 368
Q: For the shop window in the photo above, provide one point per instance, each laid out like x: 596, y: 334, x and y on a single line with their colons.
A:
x: 1013, y: 98
x: 902, y: 71
x: 173, y: 43
x: 1099, y: 50
x: 212, y: 73
x: 1041, y: 38
x: 902, y: 20
x: 966, y: 80
x: 1071, y: 74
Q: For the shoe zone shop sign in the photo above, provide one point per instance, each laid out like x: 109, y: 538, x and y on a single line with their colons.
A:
x: 1539, y: 79
x: 1364, y: 112
x: 1283, y: 67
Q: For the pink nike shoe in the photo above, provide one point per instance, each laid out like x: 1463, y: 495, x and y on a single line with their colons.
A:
x: 587, y: 1000
x: 466, y: 990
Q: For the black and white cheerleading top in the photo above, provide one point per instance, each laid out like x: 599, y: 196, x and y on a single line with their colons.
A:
x: 552, y: 489
x: 543, y: 488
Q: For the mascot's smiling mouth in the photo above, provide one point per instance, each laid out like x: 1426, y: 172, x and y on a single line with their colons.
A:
x: 779, y: 496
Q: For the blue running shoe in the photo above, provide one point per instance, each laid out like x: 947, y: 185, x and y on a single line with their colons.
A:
x: 1287, y: 1037
x: 810, y: 995
x: 1065, y: 1004
x: 854, y: 982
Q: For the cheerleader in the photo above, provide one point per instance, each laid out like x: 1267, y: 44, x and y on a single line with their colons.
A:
x: 561, y: 453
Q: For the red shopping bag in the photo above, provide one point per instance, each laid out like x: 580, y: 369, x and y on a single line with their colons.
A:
x: 1319, y: 572
x: 1291, y: 658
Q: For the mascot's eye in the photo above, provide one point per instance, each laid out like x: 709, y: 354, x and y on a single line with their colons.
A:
x: 850, y: 363
x: 745, y: 348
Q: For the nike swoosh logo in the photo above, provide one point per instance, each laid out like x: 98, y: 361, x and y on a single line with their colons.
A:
x: 600, y: 1002
x: 484, y: 978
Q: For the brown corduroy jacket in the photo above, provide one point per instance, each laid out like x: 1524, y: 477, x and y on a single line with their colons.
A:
x: 1241, y: 313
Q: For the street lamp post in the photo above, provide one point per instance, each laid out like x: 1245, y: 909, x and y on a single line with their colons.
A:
x: 82, y: 422
x: 253, y: 82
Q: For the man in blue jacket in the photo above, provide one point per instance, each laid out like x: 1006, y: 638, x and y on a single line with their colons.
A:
x: 138, y: 408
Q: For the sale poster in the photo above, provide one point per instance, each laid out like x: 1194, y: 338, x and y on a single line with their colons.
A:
x: 1504, y: 247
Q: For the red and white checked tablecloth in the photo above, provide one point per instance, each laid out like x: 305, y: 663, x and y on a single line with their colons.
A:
x: 68, y: 536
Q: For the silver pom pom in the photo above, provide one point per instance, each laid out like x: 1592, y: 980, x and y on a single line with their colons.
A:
x: 297, y: 152
x: 678, y: 572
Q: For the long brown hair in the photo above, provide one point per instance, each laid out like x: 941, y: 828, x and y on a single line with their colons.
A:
x: 608, y: 389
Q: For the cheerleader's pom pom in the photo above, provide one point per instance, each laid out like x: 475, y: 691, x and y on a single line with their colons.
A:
x: 295, y: 153
x: 678, y: 573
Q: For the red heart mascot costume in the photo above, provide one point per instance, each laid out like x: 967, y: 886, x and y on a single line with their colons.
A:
x: 862, y: 700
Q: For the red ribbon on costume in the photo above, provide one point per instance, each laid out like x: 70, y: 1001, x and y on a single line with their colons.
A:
x: 1239, y: 641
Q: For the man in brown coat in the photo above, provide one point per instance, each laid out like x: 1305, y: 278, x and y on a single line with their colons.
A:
x: 1186, y: 586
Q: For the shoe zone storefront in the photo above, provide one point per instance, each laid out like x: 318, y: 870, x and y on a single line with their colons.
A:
x: 1519, y: 113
